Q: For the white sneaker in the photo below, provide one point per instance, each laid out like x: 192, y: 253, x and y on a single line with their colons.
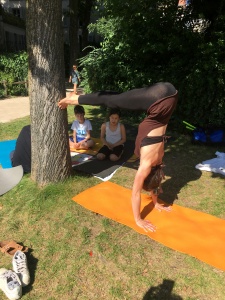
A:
x: 20, y: 267
x: 10, y: 284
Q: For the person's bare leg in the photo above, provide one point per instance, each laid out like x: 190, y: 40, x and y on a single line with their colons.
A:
x: 86, y: 144
x: 75, y: 88
x: 83, y: 146
x: 90, y: 143
x: 100, y: 156
x: 113, y: 157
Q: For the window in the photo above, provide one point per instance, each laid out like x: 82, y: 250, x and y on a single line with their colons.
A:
x: 16, y: 12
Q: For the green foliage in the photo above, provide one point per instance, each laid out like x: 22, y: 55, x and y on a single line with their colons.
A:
x: 7, y: 78
x: 143, y: 44
x: 15, y: 63
x: 202, y: 90
x: 13, y: 68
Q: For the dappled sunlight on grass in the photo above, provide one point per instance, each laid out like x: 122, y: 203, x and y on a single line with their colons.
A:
x: 83, y: 255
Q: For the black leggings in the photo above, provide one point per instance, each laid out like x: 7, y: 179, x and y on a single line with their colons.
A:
x: 118, y: 150
x: 136, y: 99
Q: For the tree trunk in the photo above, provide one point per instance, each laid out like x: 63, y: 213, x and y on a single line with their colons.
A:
x: 74, y: 32
x: 51, y: 160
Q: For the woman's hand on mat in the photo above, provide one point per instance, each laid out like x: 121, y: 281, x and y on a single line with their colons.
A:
x: 161, y: 207
x: 146, y: 225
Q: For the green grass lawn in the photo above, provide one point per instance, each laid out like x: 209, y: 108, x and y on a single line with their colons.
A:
x: 77, y: 254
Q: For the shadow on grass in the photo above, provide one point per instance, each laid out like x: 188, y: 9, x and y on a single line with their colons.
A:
x: 32, y: 266
x: 180, y: 160
x: 162, y: 292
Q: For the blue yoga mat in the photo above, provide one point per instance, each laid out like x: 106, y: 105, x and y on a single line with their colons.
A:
x: 5, y: 148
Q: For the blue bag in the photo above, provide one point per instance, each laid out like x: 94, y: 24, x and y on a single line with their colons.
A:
x: 209, y: 136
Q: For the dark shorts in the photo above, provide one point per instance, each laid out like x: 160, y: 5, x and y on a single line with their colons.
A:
x: 74, y: 81
x: 150, y: 140
x: 118, y: 150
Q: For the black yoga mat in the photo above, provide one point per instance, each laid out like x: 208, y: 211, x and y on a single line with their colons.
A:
x: 106, y: 168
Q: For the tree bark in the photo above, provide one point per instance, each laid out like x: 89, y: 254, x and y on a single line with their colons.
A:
x: 51, y: 160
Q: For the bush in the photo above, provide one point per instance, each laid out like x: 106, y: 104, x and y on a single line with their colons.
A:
x: 14, y: 68
x: 143, y: 45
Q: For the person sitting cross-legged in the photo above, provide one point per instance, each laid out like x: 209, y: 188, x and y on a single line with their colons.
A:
x: 113, y: 136
x: 81, y: 131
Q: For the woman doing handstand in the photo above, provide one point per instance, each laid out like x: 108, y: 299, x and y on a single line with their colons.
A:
x: 159, y: 100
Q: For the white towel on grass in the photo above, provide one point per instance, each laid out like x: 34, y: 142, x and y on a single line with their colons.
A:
x: 216, y: 165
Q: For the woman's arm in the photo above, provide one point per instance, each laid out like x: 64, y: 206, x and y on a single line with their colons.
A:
x: 136, y: 99
x: 136, y: 199
x: 151, y: 155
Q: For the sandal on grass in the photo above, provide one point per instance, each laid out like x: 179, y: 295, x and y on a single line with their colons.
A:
x: 10, y: 247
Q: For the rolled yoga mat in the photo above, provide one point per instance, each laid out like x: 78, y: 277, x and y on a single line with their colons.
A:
x: 185, y: 230
x: 5, y: 148
x: 9, y: 178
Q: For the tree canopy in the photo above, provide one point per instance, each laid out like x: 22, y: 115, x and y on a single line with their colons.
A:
x: 145, y: 42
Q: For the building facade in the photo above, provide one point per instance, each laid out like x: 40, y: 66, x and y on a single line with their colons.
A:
x: 12, y: 25
x: 13, y: 38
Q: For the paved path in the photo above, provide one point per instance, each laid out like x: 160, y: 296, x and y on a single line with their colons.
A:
x: 15, y: 108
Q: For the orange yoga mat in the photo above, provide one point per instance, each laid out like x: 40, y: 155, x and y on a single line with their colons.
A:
x: 188, y: 231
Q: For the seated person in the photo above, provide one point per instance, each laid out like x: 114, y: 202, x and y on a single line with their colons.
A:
x: 81, y: 131
x: 22, y: 153
x: 113, y: 137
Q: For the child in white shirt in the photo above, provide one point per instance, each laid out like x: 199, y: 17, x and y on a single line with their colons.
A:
x: 81, y: 130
